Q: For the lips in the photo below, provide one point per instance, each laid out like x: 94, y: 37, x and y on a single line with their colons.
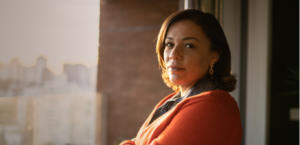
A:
x: 175, y: 68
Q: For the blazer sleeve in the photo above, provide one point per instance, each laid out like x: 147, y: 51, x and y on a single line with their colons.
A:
x: 207, y: 121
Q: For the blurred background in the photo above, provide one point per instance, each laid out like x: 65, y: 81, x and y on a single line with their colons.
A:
x: 48, y: 72
x: 86, y: 73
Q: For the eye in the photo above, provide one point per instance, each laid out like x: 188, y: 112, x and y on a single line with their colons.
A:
x: 189, y: 46
x: 169, y: 44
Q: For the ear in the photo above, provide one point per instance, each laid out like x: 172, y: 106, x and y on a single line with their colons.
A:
x: 215, y: 57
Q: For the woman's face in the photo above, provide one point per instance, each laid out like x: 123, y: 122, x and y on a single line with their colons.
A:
x: 187, y: 53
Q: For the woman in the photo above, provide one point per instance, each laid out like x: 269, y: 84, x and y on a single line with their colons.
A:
x: 195, y: 59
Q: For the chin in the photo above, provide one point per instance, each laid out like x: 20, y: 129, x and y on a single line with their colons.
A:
x: 176, y: 80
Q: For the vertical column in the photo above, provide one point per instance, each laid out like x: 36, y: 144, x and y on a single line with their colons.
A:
x: 257, y: 72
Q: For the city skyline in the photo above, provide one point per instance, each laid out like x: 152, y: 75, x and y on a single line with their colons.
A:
x: 25, y: 65
x: 19, y: 80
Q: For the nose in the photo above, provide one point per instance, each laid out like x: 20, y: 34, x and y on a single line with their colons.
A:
x: 175, y: 53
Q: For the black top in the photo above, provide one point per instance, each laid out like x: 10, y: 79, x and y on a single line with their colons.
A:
x: 199, y: 87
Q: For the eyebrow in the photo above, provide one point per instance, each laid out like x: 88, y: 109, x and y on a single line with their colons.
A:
x: 186, y: 38
x: 169, y: 38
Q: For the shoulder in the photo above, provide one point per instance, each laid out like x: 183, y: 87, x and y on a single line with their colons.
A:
x: 212, y: 109
x: 217, y: 97
x: 214, y: 94
x: 202, y: 118
x: 216, y: 102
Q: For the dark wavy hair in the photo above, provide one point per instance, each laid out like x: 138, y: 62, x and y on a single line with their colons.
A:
x: 222, y: 76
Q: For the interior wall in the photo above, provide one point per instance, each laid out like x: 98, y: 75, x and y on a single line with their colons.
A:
x: 231, y: 23
x: 128, y: 68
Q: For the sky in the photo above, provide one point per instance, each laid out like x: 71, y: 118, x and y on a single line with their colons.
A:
x: 63, y: 31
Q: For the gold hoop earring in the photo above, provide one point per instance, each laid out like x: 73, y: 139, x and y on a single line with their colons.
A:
x: 211, y: 71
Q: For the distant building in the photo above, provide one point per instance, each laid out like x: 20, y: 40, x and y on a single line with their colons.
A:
x: 18, y: 80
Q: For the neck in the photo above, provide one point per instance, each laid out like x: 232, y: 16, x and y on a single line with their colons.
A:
x: 184, y: 89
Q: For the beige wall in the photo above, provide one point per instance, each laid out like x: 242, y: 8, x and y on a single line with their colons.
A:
x: 231, y: 24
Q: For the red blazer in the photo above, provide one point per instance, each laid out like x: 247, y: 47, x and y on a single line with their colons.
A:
x: 209, y: 118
